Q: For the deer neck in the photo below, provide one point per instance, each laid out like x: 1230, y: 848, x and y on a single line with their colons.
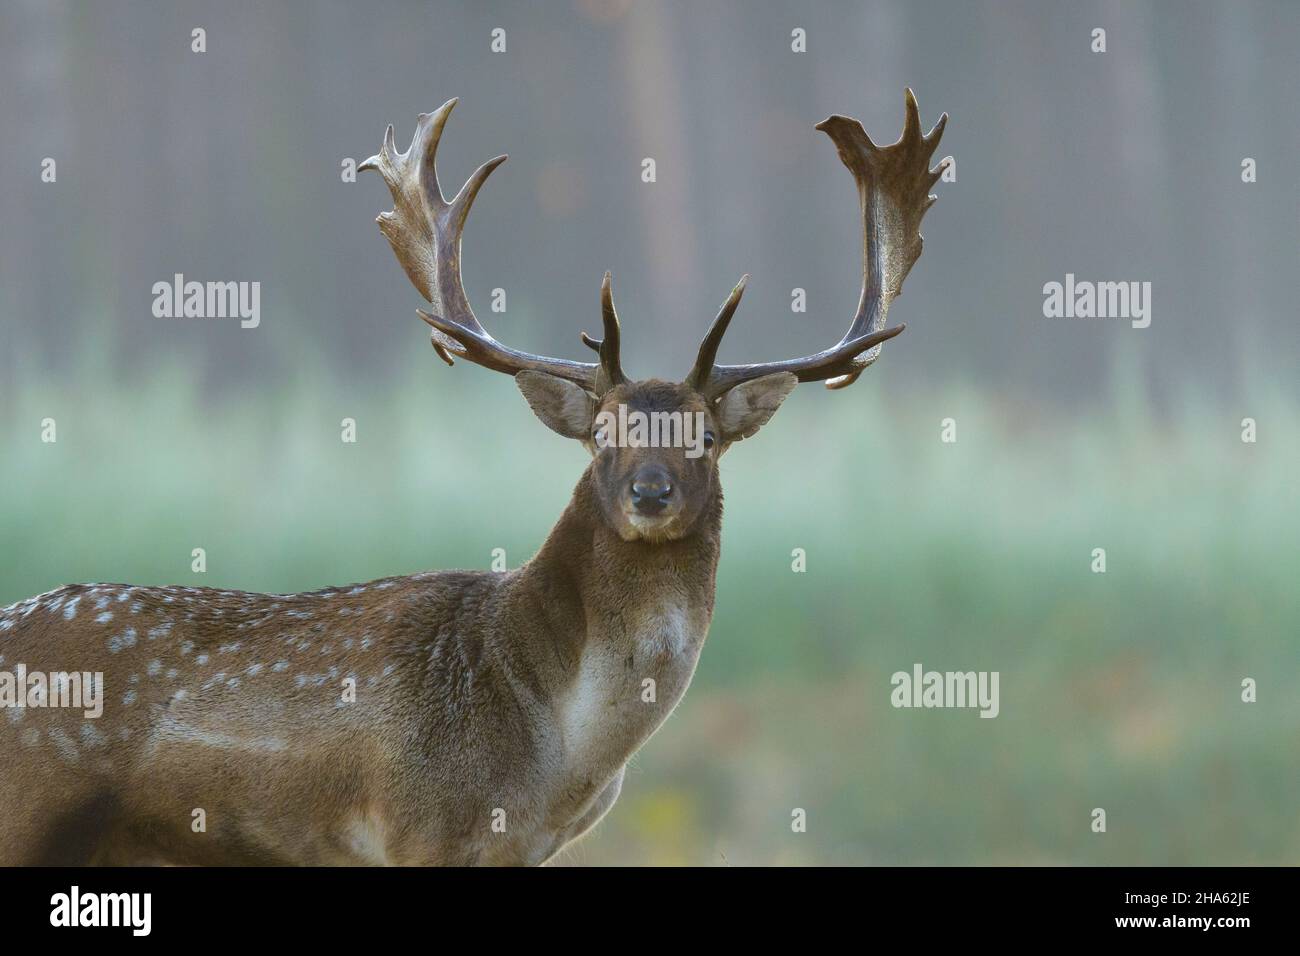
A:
x: 622, y: 624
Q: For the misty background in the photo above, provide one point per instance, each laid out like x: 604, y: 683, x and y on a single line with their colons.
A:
x: 1119, y: 690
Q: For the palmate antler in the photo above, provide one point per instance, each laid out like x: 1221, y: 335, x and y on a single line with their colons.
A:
x: 893, y: 188
x: 424, y: 230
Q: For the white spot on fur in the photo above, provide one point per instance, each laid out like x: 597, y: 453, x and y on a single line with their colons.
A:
x: 64, y: 745
x: 125, y: 639
x: 70, y: 609
x: 365, y: 838
x: 104, y: 618
x: 172, y: 729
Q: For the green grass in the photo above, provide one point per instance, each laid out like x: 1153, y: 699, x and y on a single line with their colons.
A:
x: 1118, y: 690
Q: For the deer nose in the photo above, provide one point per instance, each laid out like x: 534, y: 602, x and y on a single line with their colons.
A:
x: 651, y: 491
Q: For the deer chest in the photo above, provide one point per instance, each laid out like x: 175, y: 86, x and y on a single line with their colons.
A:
x: 627, y: 684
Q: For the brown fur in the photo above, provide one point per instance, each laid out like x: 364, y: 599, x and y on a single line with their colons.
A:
x: 477, y: 692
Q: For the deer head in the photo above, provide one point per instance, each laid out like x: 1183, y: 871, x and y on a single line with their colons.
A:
x: 646, y: 490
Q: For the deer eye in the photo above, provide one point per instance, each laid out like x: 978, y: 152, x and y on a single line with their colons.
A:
x: 709, y: 440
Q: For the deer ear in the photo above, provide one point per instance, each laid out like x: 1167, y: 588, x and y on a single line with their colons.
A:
x: 565, y: 408
x: 746, y: 408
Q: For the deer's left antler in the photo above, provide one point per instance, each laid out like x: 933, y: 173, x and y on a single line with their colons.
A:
x: 893, y: 190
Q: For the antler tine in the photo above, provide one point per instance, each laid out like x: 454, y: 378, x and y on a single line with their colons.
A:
x: 893, y: 193
x: 708, y: 354
x: 424, y: 229
x: 611, y: 361
x: 827, y: 364
x: 609, y: 348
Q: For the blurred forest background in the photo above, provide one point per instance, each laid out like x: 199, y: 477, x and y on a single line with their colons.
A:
x: 1118, y: 690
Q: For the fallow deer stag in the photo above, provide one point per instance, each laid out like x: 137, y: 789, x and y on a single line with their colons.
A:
x: 494, y: 713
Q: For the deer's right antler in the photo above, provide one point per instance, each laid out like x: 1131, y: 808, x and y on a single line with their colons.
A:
x: 424, y: 230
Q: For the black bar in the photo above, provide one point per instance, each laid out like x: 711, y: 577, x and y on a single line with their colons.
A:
x: 975, y: 905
